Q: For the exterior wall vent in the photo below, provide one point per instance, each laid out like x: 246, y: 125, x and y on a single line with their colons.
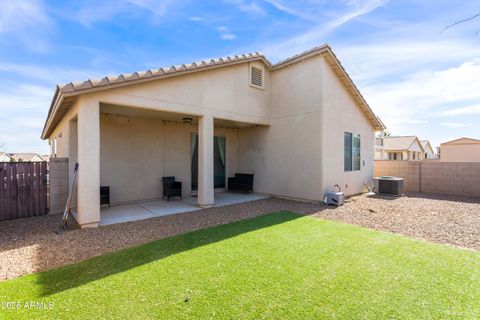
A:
x: 256, y: 77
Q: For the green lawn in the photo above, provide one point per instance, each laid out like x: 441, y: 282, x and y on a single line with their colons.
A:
x: 282, y: 265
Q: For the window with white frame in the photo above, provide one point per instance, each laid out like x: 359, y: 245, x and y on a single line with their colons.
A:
x: 351, y: 152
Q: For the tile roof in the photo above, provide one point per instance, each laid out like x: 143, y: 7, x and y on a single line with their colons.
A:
x: 24, y: 156
x: 398, y: 143
x: 158, y: 73
x: 463, y: 140
x: 64, y: 93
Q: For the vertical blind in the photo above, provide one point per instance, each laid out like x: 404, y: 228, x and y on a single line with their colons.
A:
x: 347, y: 151
x: 351, y: 152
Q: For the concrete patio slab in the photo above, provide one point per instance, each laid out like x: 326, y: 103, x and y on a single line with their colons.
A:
x: 157, y: 208
x: 162, y: 208
x: 123, y: 213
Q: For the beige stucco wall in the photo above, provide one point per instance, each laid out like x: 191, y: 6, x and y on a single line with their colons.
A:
x: 295, y: 151
x: 300, y: 154
x: 286, y: 156
x: 4, y: 158
x: 224, y: 93
x: 460, y: 153
x: 341, y: 114
x: 136, y: 152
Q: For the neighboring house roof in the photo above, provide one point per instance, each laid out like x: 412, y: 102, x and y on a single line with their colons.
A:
x: 5, y: 155
x: 426, y: 145
x: 400, y: 143
x: 45, y: 157
x: 26, y: 157
x: 463, y: 140
x: 65, y: 94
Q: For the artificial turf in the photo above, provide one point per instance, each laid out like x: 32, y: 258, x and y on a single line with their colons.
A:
x: 281, y: 265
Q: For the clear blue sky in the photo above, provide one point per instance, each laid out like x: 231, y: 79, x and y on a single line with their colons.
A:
x: 418, y: 81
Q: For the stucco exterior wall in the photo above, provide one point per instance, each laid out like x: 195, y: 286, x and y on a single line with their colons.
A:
x: 297, y: 149
x: 460, y: 153
x: 224, y: 93
x: 341, y: 114
x: 286, y: 156
x: 300, y: 155
x: 136, y: 152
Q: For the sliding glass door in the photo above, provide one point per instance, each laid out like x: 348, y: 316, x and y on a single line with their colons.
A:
x: 219, y: 161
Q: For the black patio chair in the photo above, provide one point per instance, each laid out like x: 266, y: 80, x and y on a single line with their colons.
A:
x: 105, y: 195
x: 241, y: 182
x: 171, y: 188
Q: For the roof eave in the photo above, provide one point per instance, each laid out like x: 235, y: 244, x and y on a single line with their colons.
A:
x: 57, y: 97
x: 69, y: 89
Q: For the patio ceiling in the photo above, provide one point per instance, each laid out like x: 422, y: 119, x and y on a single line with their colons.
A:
x: 166, y: 116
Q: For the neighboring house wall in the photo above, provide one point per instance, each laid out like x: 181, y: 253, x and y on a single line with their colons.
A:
x: 462, y: 150
x: 402, y: 148
x: 393, y: 155
x: 429, y: 154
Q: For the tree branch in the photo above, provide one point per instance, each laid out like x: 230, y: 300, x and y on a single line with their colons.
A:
x: 458, y: 22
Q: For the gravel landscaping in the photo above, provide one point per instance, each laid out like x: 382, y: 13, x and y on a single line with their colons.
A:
x: 30, y: 245
x: 453, y: 220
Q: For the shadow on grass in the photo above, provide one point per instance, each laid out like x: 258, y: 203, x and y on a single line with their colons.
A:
x: 75, y: 275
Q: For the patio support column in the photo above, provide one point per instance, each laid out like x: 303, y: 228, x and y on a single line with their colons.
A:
x: 205, y: 162
x: 88, y: 186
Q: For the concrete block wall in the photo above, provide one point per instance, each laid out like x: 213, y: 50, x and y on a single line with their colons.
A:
x: 408, y: 170
x: 454, y: 178
x: 58, y: 184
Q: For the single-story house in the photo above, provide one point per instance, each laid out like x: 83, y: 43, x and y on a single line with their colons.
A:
x: 300, y: 126
x: 26, y: 157
x: 460, y: 150
x: 399, y: 148
x: 5, y: 157
x: 427, y: 148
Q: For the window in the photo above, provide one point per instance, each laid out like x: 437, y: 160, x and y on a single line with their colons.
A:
x: 351, y: 152
x: 256, y: 77
x: 414, y: 156
x: 356, y: 152
x: 347, y: 151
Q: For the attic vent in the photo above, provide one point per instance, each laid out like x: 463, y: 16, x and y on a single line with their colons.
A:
x: 257, y: 77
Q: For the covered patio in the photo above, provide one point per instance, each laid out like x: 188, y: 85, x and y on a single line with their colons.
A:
x: 158, y: 208
x: 132, y: 149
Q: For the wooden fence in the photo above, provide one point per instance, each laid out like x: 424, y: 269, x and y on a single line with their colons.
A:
x: 455, y: 178
x: 23, y: 189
